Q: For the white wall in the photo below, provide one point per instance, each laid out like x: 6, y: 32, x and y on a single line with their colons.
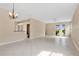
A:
x: 75, y: 28
x: 51, y: 28
x: 7, y: 33
x: 24, y: 24
x: 37, y: 29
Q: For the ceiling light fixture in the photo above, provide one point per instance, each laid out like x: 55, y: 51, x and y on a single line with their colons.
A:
x: 12, y: 14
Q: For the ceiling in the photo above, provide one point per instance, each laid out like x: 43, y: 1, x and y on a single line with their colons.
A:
x: 47, y: 12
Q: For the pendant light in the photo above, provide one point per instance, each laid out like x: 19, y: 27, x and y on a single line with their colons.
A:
x: 12, y: 14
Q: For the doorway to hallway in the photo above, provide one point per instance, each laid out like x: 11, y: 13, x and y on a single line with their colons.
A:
x: 28, y: 30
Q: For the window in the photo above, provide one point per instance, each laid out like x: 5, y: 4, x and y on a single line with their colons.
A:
x: 19, y: 28
x: 60, y: 30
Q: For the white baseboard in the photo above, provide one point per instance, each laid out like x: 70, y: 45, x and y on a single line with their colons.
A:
x: 38, y: 37
x: 5, y: 43
x: 76, y: 46
x: 10, y: 42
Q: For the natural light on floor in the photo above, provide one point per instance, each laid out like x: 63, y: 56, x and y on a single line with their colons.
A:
x: 48, y: 53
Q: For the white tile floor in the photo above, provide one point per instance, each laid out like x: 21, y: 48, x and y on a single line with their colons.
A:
x: 40, y: 47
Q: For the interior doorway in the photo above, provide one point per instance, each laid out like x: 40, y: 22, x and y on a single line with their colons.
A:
x: 60, y: 30
x: 28, y: 30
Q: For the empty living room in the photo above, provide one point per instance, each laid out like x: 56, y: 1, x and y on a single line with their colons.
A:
x: 39, y: 29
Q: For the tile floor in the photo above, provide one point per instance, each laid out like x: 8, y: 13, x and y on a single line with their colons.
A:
x: 40, y: 47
